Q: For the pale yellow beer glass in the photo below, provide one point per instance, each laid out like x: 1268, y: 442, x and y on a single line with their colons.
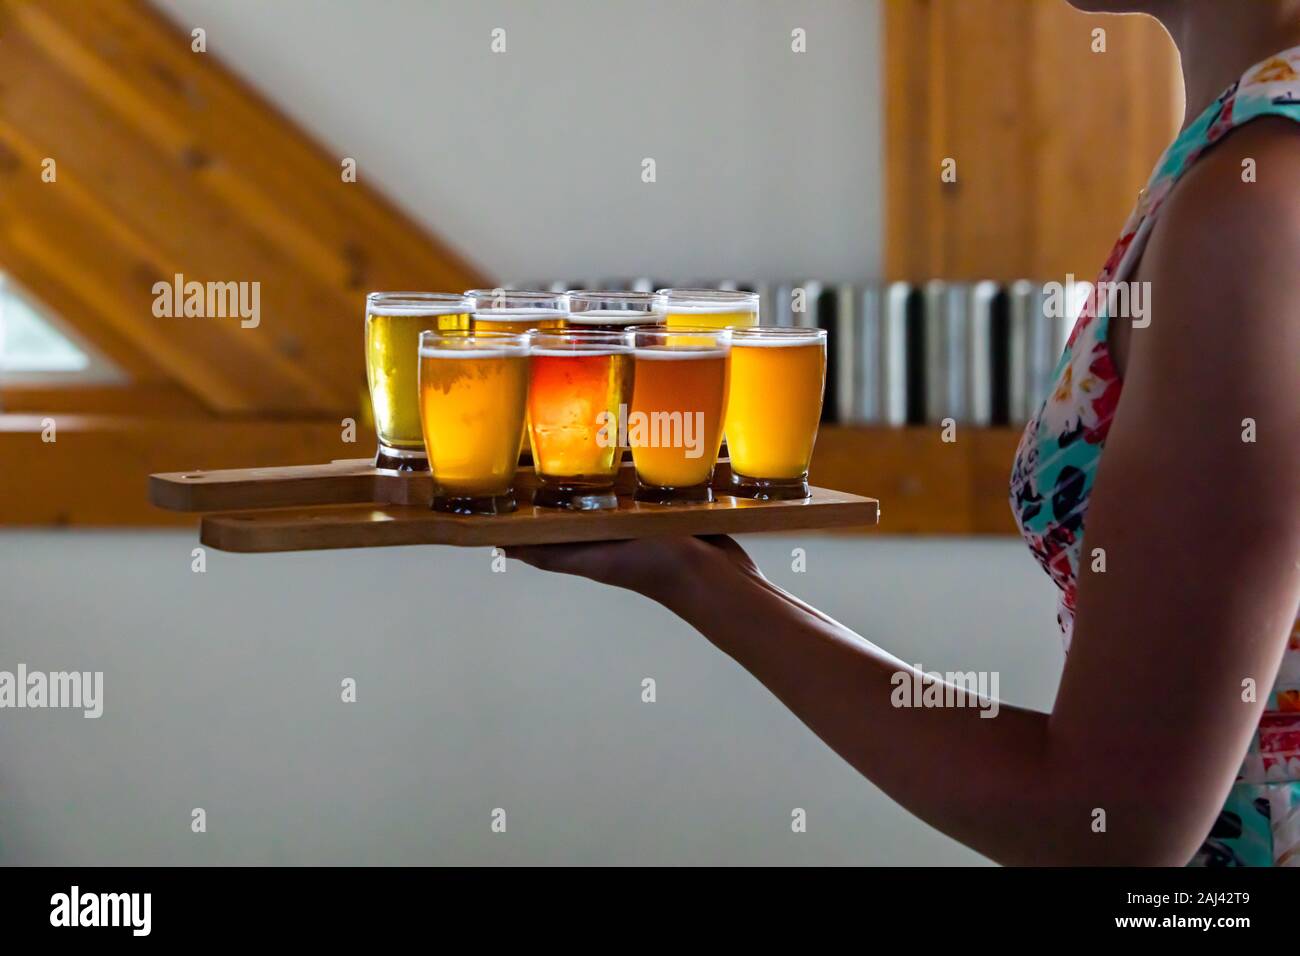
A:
x: 710, y: 308
x: 473, y: 393
x: 774, y: 404
x: 394, y: 321
x: 679, y: 400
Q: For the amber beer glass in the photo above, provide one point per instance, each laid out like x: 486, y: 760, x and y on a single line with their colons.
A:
x: 679, y: 400
x: 581, y: 383
x: 615, y: 311
x: 394, y: 321
x: 473, y: 392
x: 774, y: 403
x: 710, y: 308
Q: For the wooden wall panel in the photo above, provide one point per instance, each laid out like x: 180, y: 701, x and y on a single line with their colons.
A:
x: 925, y: 485
x: 1052, y: 141
x: 97, y: 470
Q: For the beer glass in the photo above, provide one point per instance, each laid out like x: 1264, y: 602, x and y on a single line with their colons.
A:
x: 394, y: 321
x: 511, y: 310
x: 473, y: 392
x: 679, y: 400
x: 516, y: 311
x: 579, y: 389
x: 774, y: 403
x: 711, y: 308
x: 615, y: 311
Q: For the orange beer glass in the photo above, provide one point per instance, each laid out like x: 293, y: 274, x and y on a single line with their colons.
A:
x: 580, y: 387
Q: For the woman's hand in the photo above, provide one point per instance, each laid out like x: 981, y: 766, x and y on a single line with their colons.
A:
x: 654, y: 567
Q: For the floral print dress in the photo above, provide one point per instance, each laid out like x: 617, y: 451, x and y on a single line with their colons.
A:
x: 1052, y: 479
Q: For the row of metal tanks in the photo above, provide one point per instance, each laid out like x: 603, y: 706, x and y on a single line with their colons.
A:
x: 899, y: 353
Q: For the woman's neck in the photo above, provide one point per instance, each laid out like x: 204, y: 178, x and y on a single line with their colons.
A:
x: 1219, y: 41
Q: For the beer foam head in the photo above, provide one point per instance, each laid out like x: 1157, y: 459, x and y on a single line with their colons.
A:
x: 710, y: 301
x: 677, y: 353
x: 474, y: 352
x: 711, y: 308
x: 776, y: 341
x: 397, y: 310
x: 581, y: 351
x: 517, y: 315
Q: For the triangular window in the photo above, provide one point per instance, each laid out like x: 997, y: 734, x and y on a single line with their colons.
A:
x: 36, y: 347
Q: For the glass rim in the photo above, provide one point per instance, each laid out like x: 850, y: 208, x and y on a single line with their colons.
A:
x: 418, y: 303
x: 560, y: 299
x: 665, y: 328
x: 710, y: 301
x: 579, y: 334
x: 579, y: 340
x: 470, y: 339
x: 778, y: 332
x: 616, y: 295
x: 660, y: 338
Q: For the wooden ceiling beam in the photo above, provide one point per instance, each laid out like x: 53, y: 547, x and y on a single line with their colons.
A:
x: 168, y: 164
x: 197, y: 108
x: 111, y: 269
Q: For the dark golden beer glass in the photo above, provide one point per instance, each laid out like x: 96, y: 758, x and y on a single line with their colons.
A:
x: 394, y: 321
x: 615, y: 311
x: 679, y: 400
x: 473, y: 393
x: 518, y: 311
x: 579, y: 389
x: 513, y: 310
x: 774, y: 404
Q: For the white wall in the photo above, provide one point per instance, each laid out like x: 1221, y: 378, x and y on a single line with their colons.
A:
x: 475, y: 691
x: 530, y: 161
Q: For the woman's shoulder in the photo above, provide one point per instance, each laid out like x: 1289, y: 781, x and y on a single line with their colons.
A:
x: 1234, y: 217
x: 1245, y: 185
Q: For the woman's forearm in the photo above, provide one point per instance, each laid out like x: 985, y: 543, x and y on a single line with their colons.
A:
x: 985, y: 781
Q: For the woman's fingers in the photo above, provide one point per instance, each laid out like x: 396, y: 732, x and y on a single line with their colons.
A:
x: 547, y: 557
x: 522, y: 553
x: 587, y: 560
x: 728, y: 546
x: 649, y: 566
x: 726, y: 543
x: 635, y: 565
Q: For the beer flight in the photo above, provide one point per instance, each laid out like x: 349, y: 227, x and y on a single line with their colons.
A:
x: 462, y: 385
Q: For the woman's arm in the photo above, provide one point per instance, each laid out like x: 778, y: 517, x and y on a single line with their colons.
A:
x: 1201, y: 533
